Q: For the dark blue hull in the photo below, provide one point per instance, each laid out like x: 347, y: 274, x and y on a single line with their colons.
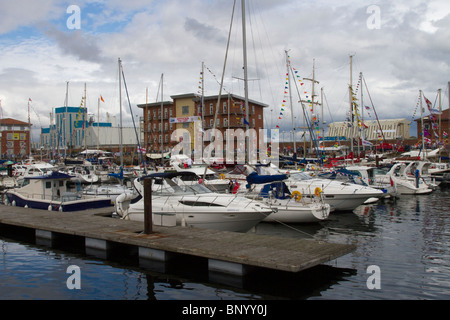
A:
x: 68, y: 206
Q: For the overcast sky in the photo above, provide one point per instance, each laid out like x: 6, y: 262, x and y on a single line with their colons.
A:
x: 400, y: 47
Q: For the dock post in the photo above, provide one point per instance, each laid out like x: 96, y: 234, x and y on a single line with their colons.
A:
x: 148, y: 206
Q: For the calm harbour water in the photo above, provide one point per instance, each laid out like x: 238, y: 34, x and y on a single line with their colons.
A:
x: 407, y: 239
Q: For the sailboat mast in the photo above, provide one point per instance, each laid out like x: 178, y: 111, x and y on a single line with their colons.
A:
x: 84, y: 121
x: 162, y: 118
x: 351, y: 107
x: 244, y: 39
x: 98, y: 124
x: 202, y: 102
x: 421, y: 125
x: 288, y: 65
x: 29, y: 135
x: 120, y: 104
x: 322, y: 119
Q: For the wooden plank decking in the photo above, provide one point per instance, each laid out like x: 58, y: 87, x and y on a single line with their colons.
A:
x: 278, y: 253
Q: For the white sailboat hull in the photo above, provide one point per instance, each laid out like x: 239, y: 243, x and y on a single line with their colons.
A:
x: 302, y: 213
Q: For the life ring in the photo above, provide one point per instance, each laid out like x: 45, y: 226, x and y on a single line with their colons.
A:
x: 297, y: 195
x: 221, y: 176
x: 317, y: 191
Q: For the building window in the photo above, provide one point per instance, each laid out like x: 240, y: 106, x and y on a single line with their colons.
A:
x: 171, y: 126
x: 165, y: 126
x: 253, y: 108
x: 185, y: 110
x: 225, y: 107
x: 170, y: 112
x: 166, y: 138
x: 253, y: 122
x: 211, y: 108
x: 185, y: 125
x: 225, y: 122
x: 165, y: 113
x: 148, y: 115
x: 154, y: 114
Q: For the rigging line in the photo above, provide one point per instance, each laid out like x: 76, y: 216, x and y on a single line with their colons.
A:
x: 213, y: 138
x: 375, y: 111
x: 255, y: 54
x: 308, y: 122
x: 132, y: 118
x: 159, y: 87
x: 264, y: 57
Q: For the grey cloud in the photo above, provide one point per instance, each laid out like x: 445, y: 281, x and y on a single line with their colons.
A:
x: 76, y: 43
x: 203, y: 31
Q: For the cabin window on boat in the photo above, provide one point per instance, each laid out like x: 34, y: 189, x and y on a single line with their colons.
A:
x: 48, y: 185
x: 200, y: 204
x: 61, y: 183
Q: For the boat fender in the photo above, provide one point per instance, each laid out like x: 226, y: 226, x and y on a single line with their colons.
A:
x: 297, y: 195
x: 317, y: 191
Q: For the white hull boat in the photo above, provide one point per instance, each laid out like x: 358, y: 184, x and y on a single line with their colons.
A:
x: 341, y: 196
x: 405, y: 185
x: 52, y: 192
x: 194, y: 205
x: 289, y: 207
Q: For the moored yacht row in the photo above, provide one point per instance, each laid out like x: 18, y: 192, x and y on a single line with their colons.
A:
x: 235, y: 200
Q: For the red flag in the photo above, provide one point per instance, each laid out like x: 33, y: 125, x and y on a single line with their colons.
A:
x: 429, y: 104
x: 101, y: 98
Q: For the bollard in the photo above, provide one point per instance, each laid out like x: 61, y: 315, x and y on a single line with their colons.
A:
x: 148, y: 223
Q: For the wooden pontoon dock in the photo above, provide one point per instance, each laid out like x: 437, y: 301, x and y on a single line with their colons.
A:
x: 226, y: 252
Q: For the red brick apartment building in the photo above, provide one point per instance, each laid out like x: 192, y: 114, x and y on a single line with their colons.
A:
x: 161, y: 119
x: 15, y: 138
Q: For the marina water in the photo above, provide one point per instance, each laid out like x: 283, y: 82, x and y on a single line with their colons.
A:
x: 403, y: 252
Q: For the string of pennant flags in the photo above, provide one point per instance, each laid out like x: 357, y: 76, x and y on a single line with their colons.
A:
x: 299, y: 79
x: 243, y: 120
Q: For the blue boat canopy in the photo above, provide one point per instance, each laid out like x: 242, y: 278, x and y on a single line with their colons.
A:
x: 254, y: 178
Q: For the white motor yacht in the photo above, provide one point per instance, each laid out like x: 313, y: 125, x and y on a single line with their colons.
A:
x: 194, y: 205
x: 341, y: 196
